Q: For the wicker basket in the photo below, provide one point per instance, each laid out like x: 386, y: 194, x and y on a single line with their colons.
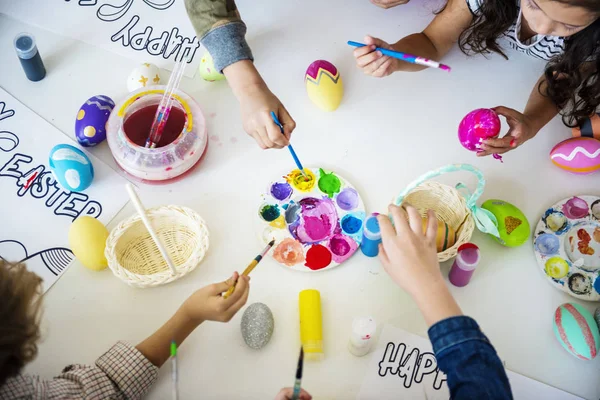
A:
x: 134, y: 258
x: 449, y: 204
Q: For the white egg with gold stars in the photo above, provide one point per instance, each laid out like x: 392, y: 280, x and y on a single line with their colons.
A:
x: 90, y: 123
x: 143, y: 75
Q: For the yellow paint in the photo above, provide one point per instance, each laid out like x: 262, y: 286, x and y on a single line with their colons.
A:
x: 87, y: 239
x: 143, y: 80
x: 278, y: 223
x: 89, y: 131
x: 80, y: 115
x: 147, y: 65
x: 326, y: 91
x: 311, y: 324
x: 303, y: 184
x: 557, y: 267
x: 156, y: 79
x: 186, y: 107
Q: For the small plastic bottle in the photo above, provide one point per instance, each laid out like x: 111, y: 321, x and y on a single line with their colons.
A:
x: 361, y: 338
x: 30, y: 57
x: 464, y: 265
x: 371, y: 236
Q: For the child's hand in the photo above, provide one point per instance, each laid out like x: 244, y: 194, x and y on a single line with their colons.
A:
x: 207, y: 304
x: 371, y: 61
x: 519, y: 132
x: 256, y: 103
x: 388, y: 3
x: 409, y: 256
x: 286, y: 394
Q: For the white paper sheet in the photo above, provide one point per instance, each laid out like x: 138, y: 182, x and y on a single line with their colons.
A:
x: 35, y: 211
x: 157, y: 31
x: 403, y: 367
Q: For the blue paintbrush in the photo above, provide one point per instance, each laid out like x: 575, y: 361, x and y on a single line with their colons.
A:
x: 290, y: 148
x: 297, y: 384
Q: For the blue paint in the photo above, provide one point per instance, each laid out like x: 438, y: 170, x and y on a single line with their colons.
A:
x: 597, y: 285
x: 371, y: 236
x: 351, y: 224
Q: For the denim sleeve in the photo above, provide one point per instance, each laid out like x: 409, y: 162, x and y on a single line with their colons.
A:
x: 469, y: 360
x: 220, y: 29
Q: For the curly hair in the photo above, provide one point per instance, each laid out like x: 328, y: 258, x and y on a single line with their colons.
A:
x: 20, y: 302
x: 575, y: 92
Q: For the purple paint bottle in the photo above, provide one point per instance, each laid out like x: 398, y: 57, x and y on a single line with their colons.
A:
x: 464, y: 265
x: 371, y: 236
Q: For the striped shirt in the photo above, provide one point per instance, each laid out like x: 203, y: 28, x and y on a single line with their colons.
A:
x: 543, y: 47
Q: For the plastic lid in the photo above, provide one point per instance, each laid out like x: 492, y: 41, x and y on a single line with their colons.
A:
x: 371, y: 227
x: 25, y: 45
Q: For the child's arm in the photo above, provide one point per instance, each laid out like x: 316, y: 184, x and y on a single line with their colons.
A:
x: 433, y: 43
x: 470, y: 362
x: 221, y: 30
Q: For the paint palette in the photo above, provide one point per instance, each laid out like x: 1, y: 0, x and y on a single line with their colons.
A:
x: 567, y: 246
x: 316, y: 221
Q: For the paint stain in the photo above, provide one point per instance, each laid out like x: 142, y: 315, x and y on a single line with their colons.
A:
x: 318, y: 257
x: 347, y: 199
x: 289, y: 252
x: 212, y: 115
x: 278, y: 223
x: 300, y: 182
x: 292, y: 213
x: 281, y: 191
x: 269, y: 212
x: 233, y: 140
x: 168, y: 168
x: 351, y: 224
x: 318, y: 220
x: 342, y: 247
x: 214, y: 137
x: 329, y: 183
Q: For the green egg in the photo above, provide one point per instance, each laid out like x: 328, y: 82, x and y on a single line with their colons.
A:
x: 512, y: 224
x: 207, y: 69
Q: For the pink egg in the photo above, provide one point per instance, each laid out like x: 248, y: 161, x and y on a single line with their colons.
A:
x: 580, y: 155
x: 477, y: 126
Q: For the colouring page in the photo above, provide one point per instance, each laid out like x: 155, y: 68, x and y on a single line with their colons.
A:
x: 156, y: 31
x: 35, y: 211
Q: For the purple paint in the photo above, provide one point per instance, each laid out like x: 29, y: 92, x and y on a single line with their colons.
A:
x: 281, y: 191
x: 464, y: 265
x: 347, y: 199
x: 317, y: 222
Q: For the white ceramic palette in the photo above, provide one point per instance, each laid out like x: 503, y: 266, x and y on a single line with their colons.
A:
x: 567, y: 246
x: 316, y: 222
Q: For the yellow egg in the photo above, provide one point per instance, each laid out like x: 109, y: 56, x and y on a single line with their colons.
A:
x: 445, y: 237
x: 87, y: 239
x: 324, y: 85
x: 557, y: 267
x: 207, y: 69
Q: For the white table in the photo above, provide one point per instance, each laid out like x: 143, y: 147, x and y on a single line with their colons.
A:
x: 385, y: 134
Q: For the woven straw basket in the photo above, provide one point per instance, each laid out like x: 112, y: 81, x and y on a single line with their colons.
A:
x: 449, y: 204
x: 134, y: 258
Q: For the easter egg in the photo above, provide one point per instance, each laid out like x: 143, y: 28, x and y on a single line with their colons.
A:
x: 597, y: 316
x: 324, y: 85
x: 90, y: 124
x: 476, y: 126
x: 71, y: 167
x: 589, y: 128
x: 207, y: 69
x: 257, y: 325
x: 87, y: 239
x: 445, y: 236
x: 580, y: 155
x: 512, y: 224
x: 577, y: 331
x: 142, y: 76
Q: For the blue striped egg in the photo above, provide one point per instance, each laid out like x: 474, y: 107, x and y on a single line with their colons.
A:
x: 90, y: 124
x: 577, y: 331
x: 71, y: 167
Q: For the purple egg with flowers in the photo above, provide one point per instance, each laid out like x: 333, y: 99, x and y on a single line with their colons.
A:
x: 90, y: 125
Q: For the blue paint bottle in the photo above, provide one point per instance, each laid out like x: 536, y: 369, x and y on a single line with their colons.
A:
x: 371, y: 236
x: 30, y: 57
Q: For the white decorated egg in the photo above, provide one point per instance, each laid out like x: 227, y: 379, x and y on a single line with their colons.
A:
x: 71, y: 167
x: 579, y: 155
x: 142, y: 76
x: 207, y: 69
x: 90, y: 124
x: 324, y: 85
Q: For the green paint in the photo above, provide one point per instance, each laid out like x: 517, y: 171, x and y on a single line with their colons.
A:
x: 269, y: 213
x: 329, y: 183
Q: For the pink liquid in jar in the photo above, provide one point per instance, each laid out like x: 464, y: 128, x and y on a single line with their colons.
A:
x: 464, y: 265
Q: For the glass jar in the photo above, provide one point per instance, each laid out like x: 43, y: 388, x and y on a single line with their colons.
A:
x: 161, y: 163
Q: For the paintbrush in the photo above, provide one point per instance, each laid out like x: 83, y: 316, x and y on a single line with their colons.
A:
x: 250, y: 267
x: 174, y: 374
x: 290, y: 148
x: 296, y: 393
x: 409, y: 58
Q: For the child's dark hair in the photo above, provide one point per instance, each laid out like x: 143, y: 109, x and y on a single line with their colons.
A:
x: 20, y: 300
x: 576, y: 92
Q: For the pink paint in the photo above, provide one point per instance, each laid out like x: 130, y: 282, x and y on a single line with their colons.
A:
x: 575, y: 208
x: 445, y: 68
x: 317, y: 221
x: 464, y: 265
x: 215, y: 138
x: 342, y: 247
x: 168, y: 168
x: 313, y: 69
x: 233, y: 140
x: 212, y: 115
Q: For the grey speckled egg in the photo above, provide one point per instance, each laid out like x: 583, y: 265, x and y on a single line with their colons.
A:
x: 257, y: 325
x: 597, y: 316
